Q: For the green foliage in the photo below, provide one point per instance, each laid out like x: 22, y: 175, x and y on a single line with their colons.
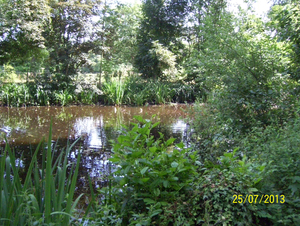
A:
x: 69, y: 39
x: 215, y: 190
x: 162, y: 21
x: 166, y: 60
x: 114, y: 91
x: 45, y: 196
x: 137, y: 91
x: 41, y: 95
x: 285, y: 19
x: 151, y: 174
x: 130, y: 91
x: 8, y: 74
x: 279, y: 148
x: 119, y: 28
x: 63, y: 97
x: 211, y: 135
x: 15, y: 95
x: 243, y: 69
x: 272, y: 148
x: 22, y: 27
x: 25, y: 95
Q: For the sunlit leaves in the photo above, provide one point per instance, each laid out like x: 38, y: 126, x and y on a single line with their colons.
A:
x: 69, y: 37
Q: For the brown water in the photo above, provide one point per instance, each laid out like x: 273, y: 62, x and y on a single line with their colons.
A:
x: 23, y: 126
x: 96, y: 125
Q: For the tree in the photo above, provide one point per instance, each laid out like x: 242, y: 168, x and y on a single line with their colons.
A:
x: 126, y: 23
x: 243, y: 66
x: 285, y: 19
x: 163, y: 21
x: 199, y: 10
x: 118, y: 42
x: 22, y: 24
x: 70, y: 35
x: 204, y: 20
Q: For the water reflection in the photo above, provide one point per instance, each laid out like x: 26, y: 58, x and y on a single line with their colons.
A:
x: 92, y: 131
x: 23, y: 126
x: 94, y: 125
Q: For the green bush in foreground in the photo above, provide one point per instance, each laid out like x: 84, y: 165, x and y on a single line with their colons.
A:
x: 157, y: 183
x: 152, y: 180
x: 279, y: 147
x: 213, y: 201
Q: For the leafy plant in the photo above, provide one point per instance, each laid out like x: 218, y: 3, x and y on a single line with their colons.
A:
x: 150, y: 175
x: 41, y: 95
x: 63, y: 97
x: 15, y: 95
x: 279, y: 148
x: 215, y: 190
x: 8, y: 74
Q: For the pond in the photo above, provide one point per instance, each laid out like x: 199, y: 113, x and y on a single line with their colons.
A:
x: 24, y: 128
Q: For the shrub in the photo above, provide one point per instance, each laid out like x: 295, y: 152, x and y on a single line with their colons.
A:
x: 8, y: 74
x: 63, y: 97
x: 279, y: 147
x: 215, y: 188
x: 113, y: 92
x: 151, y: 177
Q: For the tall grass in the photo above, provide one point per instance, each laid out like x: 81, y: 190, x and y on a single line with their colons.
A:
x: 40, y: 95
x: 114, y: 92
x: 45, y: 196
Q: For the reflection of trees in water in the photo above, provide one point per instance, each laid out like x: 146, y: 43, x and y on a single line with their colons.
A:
x: 28, y: 125
x: 94, y: 161
x: 13, y: 121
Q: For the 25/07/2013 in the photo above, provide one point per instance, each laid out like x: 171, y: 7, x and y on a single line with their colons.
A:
x: 268, y: 199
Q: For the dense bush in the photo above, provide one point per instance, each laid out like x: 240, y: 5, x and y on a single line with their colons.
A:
x: 217, y: 185
x: 15, y: 95
x: 155, y: 182
x: 273, y: 146
x: 279, y: 147
x: 152, y: 181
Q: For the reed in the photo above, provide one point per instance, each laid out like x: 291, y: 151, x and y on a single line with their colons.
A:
x: 114, y: 92
x: 46, y: 195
